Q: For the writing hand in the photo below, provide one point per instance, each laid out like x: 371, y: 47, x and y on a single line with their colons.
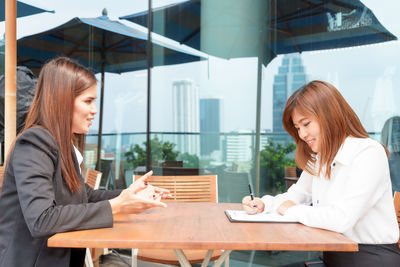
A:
x: 252, y: 206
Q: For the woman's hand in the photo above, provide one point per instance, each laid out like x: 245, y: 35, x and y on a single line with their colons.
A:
x: 138, y: 197
x: 284, y: 206
x: 153, y: 192
x: 252, y: 206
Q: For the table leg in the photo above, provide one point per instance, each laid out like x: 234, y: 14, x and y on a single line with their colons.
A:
x: 222, y: 258
x: 182, y: 258
x: 134, y: 257
x: 185, y: 263
x: 207, y: 258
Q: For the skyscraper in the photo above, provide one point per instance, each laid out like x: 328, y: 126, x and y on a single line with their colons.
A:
x: 291, y: 76
x: 210, y: 121
x: 238, y: 146
x: 185, y: 114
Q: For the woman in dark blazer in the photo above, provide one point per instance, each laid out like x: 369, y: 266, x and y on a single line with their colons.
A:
x: 43, y: 190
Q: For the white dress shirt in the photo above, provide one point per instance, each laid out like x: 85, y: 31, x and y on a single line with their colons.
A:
x: 356, y: 201
x: 79, y: 156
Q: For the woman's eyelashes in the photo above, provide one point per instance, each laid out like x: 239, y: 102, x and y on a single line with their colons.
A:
x: 90, y: 101
x: 304, y: 125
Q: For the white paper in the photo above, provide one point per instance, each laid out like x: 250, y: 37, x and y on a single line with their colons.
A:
x: 242, y: 216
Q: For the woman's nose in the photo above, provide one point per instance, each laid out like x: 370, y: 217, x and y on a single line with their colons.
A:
x: 302, y: 134
x: 94, y: 109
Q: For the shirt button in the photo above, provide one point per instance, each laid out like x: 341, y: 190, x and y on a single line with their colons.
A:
x: 333, y: 164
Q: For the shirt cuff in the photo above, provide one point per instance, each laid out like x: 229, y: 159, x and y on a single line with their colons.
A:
x: 294, y: 212
x: 268, y: 203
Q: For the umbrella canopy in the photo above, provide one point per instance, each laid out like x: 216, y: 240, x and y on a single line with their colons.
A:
x: 103, y: 45
x: 291, y: 26
x: 97, y: 43
x: 22, y: 10
x: 264, y: 29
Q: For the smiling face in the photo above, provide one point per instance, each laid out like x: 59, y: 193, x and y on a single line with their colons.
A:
x: 308, y: 130
x: 84, y: 110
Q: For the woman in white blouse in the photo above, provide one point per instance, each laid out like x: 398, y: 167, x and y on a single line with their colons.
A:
x: 345, y: 186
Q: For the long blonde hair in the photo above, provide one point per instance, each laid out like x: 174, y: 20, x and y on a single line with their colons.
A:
x: 336, y: 118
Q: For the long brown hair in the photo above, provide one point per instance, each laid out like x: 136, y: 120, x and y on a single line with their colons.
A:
x: 60, y: 81
x: 336, y: 118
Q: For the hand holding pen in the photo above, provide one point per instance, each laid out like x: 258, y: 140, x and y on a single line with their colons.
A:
x: 251, y: 204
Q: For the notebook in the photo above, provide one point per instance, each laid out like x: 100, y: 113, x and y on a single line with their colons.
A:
x: 242, y: 216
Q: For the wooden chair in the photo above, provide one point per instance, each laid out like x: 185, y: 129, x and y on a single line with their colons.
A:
x: 238, y: 184
x: 179, y: 171
x: 93, y: 179
x: 397, y: 208
x: 1, y: 177
x: 109, y: 170
x: 290, y: 176
x: 186, y: 189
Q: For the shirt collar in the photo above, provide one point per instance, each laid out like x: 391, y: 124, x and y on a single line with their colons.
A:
x: 349, y: 149
x: 79, y: 157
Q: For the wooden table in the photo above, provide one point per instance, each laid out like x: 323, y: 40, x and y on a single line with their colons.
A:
x: 202, y: 226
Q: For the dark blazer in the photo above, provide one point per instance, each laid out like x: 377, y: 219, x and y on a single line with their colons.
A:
x: 36, y: 203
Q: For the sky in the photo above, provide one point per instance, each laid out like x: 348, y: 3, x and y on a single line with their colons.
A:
x: 368, y: 77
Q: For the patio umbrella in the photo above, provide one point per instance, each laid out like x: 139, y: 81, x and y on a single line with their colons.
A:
x: 103, y: 45
x: 291, y: 26
x: 264, y: 29
x: 23, y: 10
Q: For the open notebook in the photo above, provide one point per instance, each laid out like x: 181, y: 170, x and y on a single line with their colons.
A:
x: 242, y: 216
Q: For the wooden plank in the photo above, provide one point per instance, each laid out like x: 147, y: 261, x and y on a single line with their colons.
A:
x: 188, y: 188
x: 202, y: 226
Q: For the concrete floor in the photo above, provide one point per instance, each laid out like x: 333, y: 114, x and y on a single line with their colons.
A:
x: 237, y: 259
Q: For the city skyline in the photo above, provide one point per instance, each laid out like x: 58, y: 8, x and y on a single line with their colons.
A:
x: 360, y: 74
x: 210, y: 124
x: 186, y: 115
x: 291, y: 76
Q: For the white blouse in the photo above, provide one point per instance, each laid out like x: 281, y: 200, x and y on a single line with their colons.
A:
x: 357, y: 201
x: 79, y: 156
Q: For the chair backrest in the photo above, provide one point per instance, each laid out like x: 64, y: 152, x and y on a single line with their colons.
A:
x: 93, y: 178
x: 233, y: 186
x: 179, y: 171
x: 169, y: 163
x: 397, y: 207
x: 109, y: 170
x: 290, y: 171
x: 199, y: 188
x: 1, y: 177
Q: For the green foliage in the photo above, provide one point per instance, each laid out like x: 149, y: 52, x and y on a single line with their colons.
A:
x: 189, y: 160
x: 136, y: 156
x: 161, y: 151
x: 273, y: 159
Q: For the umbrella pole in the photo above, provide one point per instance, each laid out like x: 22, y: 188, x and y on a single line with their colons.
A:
x: 98, y: 162
x: 10, y: 96
x: 258, y: 122
x: 149, y: 64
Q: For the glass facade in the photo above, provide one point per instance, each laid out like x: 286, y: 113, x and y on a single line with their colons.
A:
x: 204, y: 117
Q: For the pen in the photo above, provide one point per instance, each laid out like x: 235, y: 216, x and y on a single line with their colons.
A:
x: 251, y: 195
x: 251, y: 192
